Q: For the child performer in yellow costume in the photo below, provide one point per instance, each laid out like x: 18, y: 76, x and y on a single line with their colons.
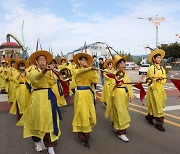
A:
x: 108, y: 81
x: 11, y: 72
x: 156, y: 95
x: 20, y: 78
x: 118, y: 102
x: 1, y: 69
x: 84, y: 99
x: 41, y: 122
x: 4, y: 77
x: 62, y: 63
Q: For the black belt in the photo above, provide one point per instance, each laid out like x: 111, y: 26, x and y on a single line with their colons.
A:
x: 41, y: 89
x: 126, y: 89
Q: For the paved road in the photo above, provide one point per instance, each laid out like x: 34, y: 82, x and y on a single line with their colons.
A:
x: 143, y: 137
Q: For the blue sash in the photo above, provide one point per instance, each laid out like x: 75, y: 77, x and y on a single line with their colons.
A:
x: 59, y: 88
x: 28, y: 86
x: 87, y: 88
x: 55, y: 108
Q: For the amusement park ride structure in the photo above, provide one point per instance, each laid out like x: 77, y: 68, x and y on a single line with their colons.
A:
x: 13, y: 49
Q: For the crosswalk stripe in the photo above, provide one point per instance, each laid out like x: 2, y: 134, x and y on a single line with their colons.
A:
x: 170, y: 108
x: 3, y: 98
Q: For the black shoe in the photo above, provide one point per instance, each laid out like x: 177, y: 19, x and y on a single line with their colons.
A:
x: 160, y: 128
x: 86, y: 144
x: 150, y: 120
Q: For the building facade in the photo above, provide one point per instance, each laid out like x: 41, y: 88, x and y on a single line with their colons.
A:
x: 99, y: 49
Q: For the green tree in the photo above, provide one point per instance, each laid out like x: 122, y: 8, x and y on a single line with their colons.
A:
x: 172, y: 50
x: 129, y: 59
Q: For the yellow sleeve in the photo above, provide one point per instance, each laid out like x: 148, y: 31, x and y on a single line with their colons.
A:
x: 35, y: 76
x: 105, y: 76
x: 150, y: 71
x: 14, y: 78
x: 151, y: 74
x: 95, y: 77
x: 81, y: 71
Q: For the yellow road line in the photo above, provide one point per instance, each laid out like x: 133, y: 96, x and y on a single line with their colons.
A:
x: 167, y: 114
x: 137, y: 111
x: 172, y: 116
x: 144, y: 113
x: 167, y: 121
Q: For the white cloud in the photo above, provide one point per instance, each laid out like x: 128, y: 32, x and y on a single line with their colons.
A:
x: 76, y: 6
x: 123, y: 32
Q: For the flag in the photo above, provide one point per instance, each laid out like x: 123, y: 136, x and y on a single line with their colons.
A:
x: 113, y: 77
x: 176, y: 82
x: 142, y: 91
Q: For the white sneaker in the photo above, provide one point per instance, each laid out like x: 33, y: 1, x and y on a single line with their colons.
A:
x: 123, y: 138
x: 51, y: 150
x: 38, y: 146
x: 42, y: 144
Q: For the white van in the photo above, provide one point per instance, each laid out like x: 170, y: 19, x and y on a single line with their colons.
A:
x: 144, y: 69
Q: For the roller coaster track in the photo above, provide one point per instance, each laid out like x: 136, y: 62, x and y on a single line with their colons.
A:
x: 24, y: 49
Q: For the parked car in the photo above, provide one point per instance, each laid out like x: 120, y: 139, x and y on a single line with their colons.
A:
x: 130, y: 65
x: 143, y: 69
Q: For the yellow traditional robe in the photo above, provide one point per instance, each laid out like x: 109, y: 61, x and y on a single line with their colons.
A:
x: 38, y: 120
x: 22, y: 96
x: 4, y: 79
x: 84, y: 109
x: 12, y: 89
x: 1, y: 70
x: 118, y: 105
x: 107, y: 88
x: 156, y: 95
x: 72, y: 83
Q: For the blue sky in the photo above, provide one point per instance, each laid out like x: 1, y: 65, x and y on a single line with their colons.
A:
x: 77, y: 10
x: 66, y: 24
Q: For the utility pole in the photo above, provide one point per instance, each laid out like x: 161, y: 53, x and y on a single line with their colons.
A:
x: 156, y: 21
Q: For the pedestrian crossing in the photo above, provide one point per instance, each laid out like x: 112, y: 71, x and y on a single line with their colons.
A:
x: 136, y: 91
x: 3, y: 98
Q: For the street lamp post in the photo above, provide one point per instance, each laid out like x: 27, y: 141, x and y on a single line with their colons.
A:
x: 156, y: 21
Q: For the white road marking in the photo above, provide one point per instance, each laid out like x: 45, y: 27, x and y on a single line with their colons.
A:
x: 100, y: 85
x: 170, y: 108
x: 136, y: 91
x: 172, y: 76
x: 138, y: 95
x: 3, y: 98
